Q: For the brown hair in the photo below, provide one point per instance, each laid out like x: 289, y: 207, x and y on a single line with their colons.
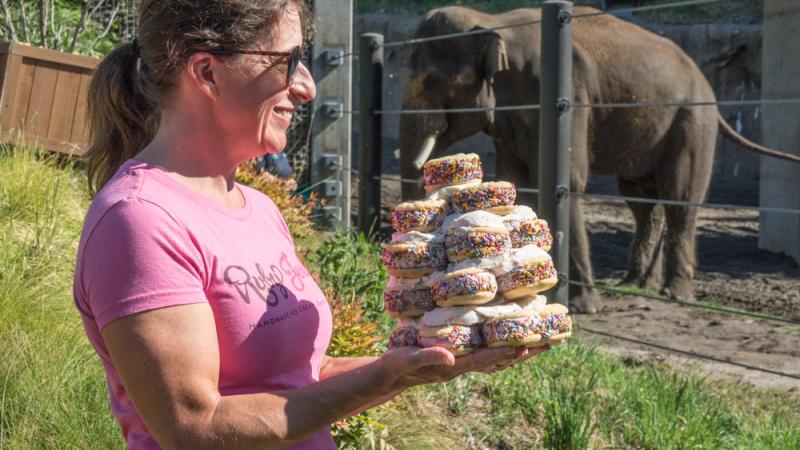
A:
x: 129, y: 85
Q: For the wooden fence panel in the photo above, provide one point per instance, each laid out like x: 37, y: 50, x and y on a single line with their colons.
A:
x: 64, y: 105
x: 44, y: 97
x: 80, y: 126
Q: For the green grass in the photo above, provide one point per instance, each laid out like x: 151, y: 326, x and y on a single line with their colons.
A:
x: 575, y: 397
x: 52, y: 386
x: 53, y: 392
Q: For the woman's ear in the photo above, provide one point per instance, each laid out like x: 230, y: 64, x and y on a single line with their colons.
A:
x: 201, y: 68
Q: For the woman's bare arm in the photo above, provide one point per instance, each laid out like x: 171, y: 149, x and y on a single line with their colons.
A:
x: 168, y: 360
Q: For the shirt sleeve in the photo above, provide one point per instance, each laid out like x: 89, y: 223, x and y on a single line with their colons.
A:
x: 138, y: 258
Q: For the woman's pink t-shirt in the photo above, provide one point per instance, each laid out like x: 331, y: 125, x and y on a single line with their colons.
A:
x: 149, y: 242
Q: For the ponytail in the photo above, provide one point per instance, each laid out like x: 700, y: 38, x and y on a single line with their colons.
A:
x: 122, y: 119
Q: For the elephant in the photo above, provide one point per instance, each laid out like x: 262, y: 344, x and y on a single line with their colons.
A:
x: 654, y: 152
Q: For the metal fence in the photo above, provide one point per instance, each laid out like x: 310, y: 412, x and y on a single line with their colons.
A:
x: 555, y: 108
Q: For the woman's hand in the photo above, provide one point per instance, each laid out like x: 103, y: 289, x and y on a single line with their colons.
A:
x: 405, y: 367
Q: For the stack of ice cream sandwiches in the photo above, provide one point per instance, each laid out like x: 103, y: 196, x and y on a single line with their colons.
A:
x: 467, y: 266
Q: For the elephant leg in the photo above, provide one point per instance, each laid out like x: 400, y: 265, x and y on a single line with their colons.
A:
x: 685, y: 175
x: 512, y: 168
x: 645, y: 262
x: 583, y: 299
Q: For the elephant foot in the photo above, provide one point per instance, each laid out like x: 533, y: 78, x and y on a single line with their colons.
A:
x: 631, y: 279
x: 679, y: 289
x: 650, y: 282
x: 585, y: 304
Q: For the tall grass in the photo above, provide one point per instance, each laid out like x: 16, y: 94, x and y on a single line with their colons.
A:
x: 52, y: 387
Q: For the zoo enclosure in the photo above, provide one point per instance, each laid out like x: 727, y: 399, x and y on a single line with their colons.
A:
x: 555, y: 107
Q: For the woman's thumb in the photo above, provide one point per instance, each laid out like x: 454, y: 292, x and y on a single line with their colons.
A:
x: 433, y: 356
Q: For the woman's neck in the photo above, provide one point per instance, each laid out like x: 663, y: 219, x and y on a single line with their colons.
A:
x: 194, y: 158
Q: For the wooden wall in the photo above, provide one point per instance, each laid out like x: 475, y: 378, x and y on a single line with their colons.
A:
x: 44, y: 97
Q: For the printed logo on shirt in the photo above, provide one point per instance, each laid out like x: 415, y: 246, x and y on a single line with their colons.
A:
x: 258, y: 284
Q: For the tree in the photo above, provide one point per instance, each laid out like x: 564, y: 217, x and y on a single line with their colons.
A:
x: 82, y: 26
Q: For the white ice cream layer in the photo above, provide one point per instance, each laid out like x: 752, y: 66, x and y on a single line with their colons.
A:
x: 460, y: 315
x: 492, y: 312
x: 446, y: 192
x: 521, y: 212
x: 520, y: 256
x: 536, y: 304
x: 416, y: 236
x: 487, y: 262
x: 472, y: 219
x: 405, y: 284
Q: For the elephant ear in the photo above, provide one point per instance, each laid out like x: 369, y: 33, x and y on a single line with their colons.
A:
x: 495, y: 56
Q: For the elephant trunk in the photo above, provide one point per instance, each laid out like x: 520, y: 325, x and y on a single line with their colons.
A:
x: 418, y: 142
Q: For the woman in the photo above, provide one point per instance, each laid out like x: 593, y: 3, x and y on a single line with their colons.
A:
x: 211, y: 331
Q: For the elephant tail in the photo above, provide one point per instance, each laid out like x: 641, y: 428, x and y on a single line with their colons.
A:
x: 743, y: 142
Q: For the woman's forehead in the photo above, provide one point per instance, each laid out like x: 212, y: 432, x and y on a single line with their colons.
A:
x: 286, y: 34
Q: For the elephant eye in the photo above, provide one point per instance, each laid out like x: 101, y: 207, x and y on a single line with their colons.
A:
x: 433, y: 83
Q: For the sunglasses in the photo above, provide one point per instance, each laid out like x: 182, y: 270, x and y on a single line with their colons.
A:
x: 293, y: 58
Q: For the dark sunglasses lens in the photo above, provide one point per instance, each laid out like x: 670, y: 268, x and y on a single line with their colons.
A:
x: 294, y: 61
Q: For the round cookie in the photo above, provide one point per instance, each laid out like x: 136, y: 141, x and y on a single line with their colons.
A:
x: 558, y: 324
x: 406, y: 334
x: 520, y: 328
x: 525, y: 228
x: 407, y: 297
x: 423, y: 216
x: 458, y: 339
x: 413, y: 260
x: 494, y: 196
x: 456, y: 329
x: 528, y: 271
x: 449, y: 170
x: 476, y: 242
x: 471, y: 286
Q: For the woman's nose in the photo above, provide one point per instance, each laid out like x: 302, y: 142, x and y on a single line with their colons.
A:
x: 303, y: 86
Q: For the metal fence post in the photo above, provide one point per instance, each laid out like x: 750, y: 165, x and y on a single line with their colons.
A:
x: 555, y: 128
x: 369, y: 147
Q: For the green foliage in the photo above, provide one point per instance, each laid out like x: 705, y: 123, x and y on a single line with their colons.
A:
x: 361, y: 432
x: 52, y: 386
x: 349, y: 265
x: 69, y: 27
x: 574, y: 397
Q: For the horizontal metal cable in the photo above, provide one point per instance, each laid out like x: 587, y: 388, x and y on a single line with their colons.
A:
x: 724, y: 103
x: 397, y: 179
x: 777, y: 101
x: 683, y: 203
x: 690, y: 353
x: 714, y: 308
x: 306, y: 189
x: 646, y: 8
x: 528, y: 190
x: 456, y: 35
x: 458, y: 110
x: 536, y: 21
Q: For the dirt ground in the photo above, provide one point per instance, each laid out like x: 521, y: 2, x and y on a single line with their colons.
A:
x: 731, y: 271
